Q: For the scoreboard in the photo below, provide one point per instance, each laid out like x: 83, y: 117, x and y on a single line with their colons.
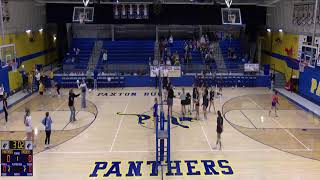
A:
x: 16, y: 158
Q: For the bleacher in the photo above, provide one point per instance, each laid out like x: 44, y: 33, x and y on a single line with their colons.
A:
x: 81, y: 62
x: 178, y: 46
x: 235, y: 45
x: 127, y: 52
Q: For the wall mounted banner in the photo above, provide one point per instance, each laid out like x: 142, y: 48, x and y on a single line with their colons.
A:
x: 173, y: 71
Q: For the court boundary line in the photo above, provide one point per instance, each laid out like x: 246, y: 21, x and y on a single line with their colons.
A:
x: 271, y: 149
x: 283, y: 150
x: 205, y: 135
x: 119, y: 126
x: 285, y: 129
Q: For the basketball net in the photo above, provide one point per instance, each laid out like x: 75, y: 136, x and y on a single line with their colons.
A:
x: 302, y: 65
x: 228, y: 3
x: 82, y: 18
x: 85, y: 2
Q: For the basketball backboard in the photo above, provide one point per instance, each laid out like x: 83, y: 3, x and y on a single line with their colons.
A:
x: 85, y: 14
x: 231, y: 16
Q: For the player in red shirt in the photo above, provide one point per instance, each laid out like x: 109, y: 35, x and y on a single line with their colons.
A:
x: 274, y: 103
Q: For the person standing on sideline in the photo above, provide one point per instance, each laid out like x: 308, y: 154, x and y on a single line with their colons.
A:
x: 83, y: 88
x: 1, y: 91
x: 28, y: 125
x: 219, y: 129
x: 183, y: 102
x: 155, y: 112
x: 274, y: 103
x: 41, y: 88
x: 47, y: 121
x: 72, y: 95
x: 5, y: 106
x: 37, y: 76
x: 58, y: 88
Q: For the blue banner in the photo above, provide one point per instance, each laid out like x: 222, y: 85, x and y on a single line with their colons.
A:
x: 309, y: 84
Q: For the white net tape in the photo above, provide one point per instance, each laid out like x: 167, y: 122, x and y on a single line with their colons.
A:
x: 228, y: 3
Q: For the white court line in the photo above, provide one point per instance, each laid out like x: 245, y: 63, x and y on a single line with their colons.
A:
x: 56, y: 110
x: 205, y: 135
x: 115, y: 137
x: 290, y: 133
x: 255, y: 103
x: 224, y: 150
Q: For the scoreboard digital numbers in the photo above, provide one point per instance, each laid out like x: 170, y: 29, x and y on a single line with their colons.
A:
x: 16, y: 158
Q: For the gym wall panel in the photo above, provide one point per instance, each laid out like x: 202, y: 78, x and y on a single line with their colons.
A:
x: 280, y: 50
x: 25, y: 14
x: 40, y: 50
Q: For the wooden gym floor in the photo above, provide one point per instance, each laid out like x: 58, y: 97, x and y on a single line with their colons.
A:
x: 257, y: 146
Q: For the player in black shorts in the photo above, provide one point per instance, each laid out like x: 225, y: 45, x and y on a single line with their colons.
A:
x: 194, y: 96
x: 205, y: 103
x: 212, y: 93
x: 219, y: 129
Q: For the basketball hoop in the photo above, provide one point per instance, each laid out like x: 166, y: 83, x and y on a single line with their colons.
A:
x: 302, y: 65
x: 82, y: 18
x: 231, y: 18
x: 228, y: 3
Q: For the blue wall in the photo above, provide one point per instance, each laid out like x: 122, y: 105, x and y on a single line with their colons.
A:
x: 146, y: 81
x: 305, y: 84
x: 4, y: 78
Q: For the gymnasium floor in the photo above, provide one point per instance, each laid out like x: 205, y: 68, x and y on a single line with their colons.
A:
x: 256, y: 146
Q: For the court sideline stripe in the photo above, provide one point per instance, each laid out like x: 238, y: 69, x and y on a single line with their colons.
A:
x: 213, y: 150
x: 290, y: 133
x: 248, y: 119
x: 115, y: 137
x: 205, y: 135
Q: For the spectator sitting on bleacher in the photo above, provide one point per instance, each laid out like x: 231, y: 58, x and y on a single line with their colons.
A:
x: 234, y: 57
x: 171, y: 41
x: 168, y: 62
x: 202, y: 40
x: 175, y: 56
x: 105, y: 55
x: 177, y: 62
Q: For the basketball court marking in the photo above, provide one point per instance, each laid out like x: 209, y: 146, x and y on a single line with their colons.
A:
x: 248, y: 119
x: 213, y: 150
x: 122, y: 118
x: 282, y: 127
x: 255, y: 102
x: 205, y: 135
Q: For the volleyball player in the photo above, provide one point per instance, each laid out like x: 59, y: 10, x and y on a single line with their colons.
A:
x: 205, y: 103
x: 170, y: 99
x: 219, y: 129
x: 5, y: 106
x: 212, y: 93
x: 194, y: 97
x: 155, y: 112
x: 274, y: 103
x: 28, y: 125
x: 197, y: 102
x: 183, y: 102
